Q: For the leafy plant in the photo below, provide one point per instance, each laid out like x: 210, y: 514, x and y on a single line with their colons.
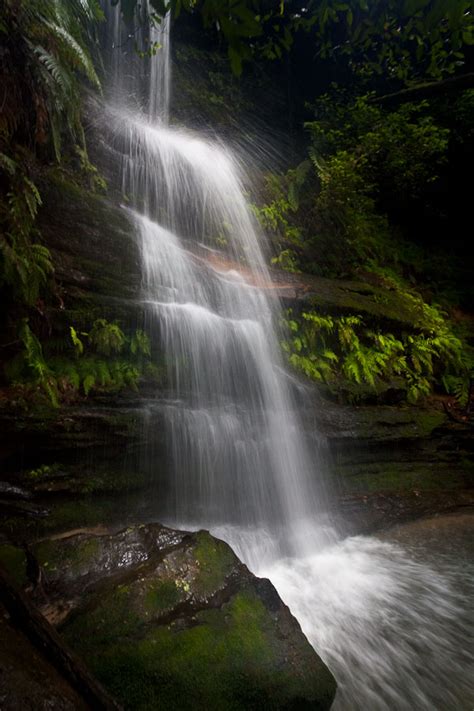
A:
x: 103, y: 360
x: 334, y: 212
x: 106, y: 338
x: 76, y: 341
x: 334, y: 349
x: 31, y: 366
x: 398, y: 150
x: 401, y: 39
x: 44, y: 53
x: 140, y: 344
x: 95, y: 181
x: 25, y: 264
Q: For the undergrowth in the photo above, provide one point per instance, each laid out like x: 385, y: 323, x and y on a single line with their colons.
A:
x: 103, y: 360
x: 341, y: 351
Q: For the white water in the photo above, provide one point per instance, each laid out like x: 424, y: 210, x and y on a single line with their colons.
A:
x: 391, y: 628
x: 386, y: 626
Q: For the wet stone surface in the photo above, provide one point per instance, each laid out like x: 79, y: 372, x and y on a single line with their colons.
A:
x: 171, y: 619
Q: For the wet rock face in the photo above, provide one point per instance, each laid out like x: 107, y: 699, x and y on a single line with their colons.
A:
x: 168, y: 619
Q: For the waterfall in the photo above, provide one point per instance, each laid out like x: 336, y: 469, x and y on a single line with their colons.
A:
x: 239, y: 464
x: 237, y: 455
x: 160, y: 74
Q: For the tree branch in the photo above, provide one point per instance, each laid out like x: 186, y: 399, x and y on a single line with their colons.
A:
x: 427, y: 90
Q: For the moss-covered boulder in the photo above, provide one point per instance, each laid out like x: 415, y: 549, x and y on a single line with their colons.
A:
x: 169, y: 619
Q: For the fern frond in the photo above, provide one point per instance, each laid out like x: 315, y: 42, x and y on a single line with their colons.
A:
x: 7, y: 164
x: 76, y: 52
x: 54, y: 68
x: 88, y: 383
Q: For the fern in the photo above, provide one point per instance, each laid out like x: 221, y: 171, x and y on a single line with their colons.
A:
x: 88, y: 383
x: 55, y: 69
x: 325, y: 347
x: 79, y: 370
x: 75, y: 52
x: 140, y: 344
x: 77, y: 343
x: 35, y: 363
x: 51, y: 38
x: 459, y: 387
x: 103, y: 373
x: 106, y: 338
x: 8, y: 165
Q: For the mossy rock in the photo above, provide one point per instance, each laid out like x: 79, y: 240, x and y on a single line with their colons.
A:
x: 173, y: 619
x: 380, y: 303
x: 228, y: 658
x: 380, y: 423
x: 380, y: 477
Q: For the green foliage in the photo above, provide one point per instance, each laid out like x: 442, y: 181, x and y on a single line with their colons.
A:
x: 140, y: 344
x: 330, y: 212
x: 103, y: 360
x: 95, y: 181
x: 91, y: 373
x: 398, y: 151
x: 344, y: 349
x: 31, y: 367
x: 25, y: 264
x: 106, y: 338
x: 277, y: 214
x: 76, y: 341
x: 44, y: 54
x: 44, y: 471
x: 346, y: 212
x: 362, y: 154
x: 402, y: 40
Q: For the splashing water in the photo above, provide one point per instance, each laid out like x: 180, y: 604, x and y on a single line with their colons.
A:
x: 390, y: 628
x: 386, y: 625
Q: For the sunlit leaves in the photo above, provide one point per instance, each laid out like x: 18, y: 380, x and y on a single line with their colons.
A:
x: 338, y: 349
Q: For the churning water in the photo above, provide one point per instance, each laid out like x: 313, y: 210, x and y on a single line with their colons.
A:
x: 239, y: 465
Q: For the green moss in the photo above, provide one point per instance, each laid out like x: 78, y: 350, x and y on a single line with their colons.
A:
x: 215, y: 560
x: 89, y: 511
x: 402, y: 476
x: 56, y: 556
x: 163, y: 595
x: 13, y: 559
x: 112, y: 620
x: 106, y: 482
x: 227, y: 659
x: 426, y: 422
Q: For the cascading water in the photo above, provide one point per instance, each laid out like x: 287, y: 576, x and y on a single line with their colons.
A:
x: 236, y: 452
x: 238, y: 462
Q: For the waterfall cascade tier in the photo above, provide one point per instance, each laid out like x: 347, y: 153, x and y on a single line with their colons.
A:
x: 238, y: 461
x: 235, y: 445
x: 236, y: 451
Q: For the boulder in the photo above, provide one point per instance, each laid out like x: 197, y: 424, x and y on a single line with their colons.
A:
x: 171, y: 619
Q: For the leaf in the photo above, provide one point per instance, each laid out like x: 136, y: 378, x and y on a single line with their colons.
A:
x: 78, y: 344
x: 88, y: 383
x: 77, y: 53
x: 8, y: 164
